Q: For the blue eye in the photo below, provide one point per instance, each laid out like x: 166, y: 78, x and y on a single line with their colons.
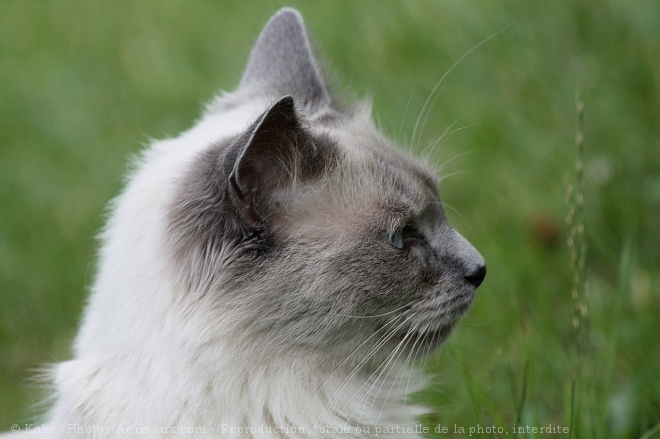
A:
x: 395, y: 239
x: 403, y: 238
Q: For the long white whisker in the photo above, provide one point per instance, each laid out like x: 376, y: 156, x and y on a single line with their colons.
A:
x: 367, y: 357
x: 430, y: 148
x: 447, y: 72
x: 392, y: 359
x: 371, y: 316
x: 401, y: 369
x: 445, y: 176
x: 405, y: 112
x: 448, y: 206
x: 429, y: 349
x: 386, y: 365
x: 449, y: 162
x: 346, y: 379
x: 413, y: 354
x: 384, y: 339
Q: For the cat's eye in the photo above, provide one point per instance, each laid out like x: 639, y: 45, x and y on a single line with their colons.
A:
x: 402, y: 237
x: 395, y: 239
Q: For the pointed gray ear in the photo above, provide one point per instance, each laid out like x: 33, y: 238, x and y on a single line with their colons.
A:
x: 282, y: 62
x: 275, y: 154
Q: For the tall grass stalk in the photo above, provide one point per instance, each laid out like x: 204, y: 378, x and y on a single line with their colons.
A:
x: 577, y: 246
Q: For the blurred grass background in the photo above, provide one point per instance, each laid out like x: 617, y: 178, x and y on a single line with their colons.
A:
x: 83, y: 85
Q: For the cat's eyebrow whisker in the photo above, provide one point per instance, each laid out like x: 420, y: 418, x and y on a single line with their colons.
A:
x: 450, y: 127
x: 405, y: 112
x: 445, y: 176
x: 465, y: 220
x: 431, y: 98
x: 449, y: 162
x: 429, y: 149
x: 424, y: 152
x: 448, y: 206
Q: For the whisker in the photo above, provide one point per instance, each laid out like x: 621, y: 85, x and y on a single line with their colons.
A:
x: 449, y: 129
x: 448, y: 206
x: 445, y: 176
x: 404, y: 366
x: 429, y: 149
x: 371, y: 316
x: 425, y: 357
x: 405, y: 112
x: 386, y: 365
x: 398, y: 351
x: 413, y: 354
x: 430, y: 98
x: 449, y: 162
x: 383, y: 339
x: 335, y: 371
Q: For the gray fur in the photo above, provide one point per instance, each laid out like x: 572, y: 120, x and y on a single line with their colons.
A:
x: 282, y: 63
x: 240, y: 186
x: 284, y: 224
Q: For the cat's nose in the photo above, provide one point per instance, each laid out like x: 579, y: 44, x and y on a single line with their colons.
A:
x: 473, y: 265
x: 476, y: 274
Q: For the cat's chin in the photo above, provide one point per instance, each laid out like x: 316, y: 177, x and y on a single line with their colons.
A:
x: 435, y: 330
x: 428, y: 340
x: 416, y: 343
x: 440, y: 335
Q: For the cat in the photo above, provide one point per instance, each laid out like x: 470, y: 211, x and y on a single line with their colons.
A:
x: 272, y: 272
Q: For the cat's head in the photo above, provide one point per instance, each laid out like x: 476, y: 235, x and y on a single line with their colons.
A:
x: 304, y: 228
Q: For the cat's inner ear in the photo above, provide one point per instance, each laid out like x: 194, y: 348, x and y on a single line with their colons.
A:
x: 282, y: 63
x: 271, y: 158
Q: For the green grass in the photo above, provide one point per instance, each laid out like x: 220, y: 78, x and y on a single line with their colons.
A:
x: 83, y: 85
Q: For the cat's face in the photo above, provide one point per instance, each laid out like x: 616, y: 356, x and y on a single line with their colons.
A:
x: 308, y: 230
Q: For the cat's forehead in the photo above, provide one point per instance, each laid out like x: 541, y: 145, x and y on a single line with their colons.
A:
x: 374, y: 186
x: 371, y: 158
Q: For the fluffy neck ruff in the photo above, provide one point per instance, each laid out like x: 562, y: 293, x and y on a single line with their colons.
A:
x: 220, y: 394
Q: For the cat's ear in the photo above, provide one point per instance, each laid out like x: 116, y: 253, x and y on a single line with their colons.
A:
x: 282, y: 63
x: 270, y: 160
